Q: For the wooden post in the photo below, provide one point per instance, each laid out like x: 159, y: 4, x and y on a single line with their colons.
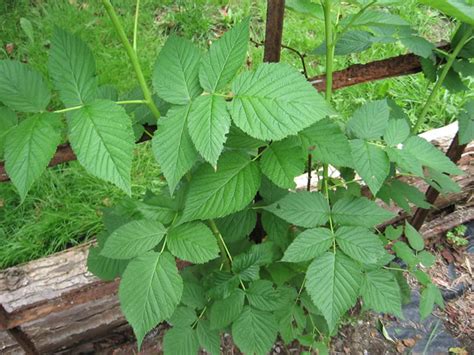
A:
x: 274, y: 30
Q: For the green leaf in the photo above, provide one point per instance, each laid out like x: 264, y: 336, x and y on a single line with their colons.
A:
x: 405, y: 160
x: 309, y: 244
x: 418, y: 45
x: 8, y: 120
x: 172, y: 146
x: 429, y: 69
x: 236, y: 139
x: 133, y: 239
x: 373, y: 18
x: 359, y: 212
x: 193, y: 295
x: 101, y: 136
x: 222, y: 284
x: 360, y: 244
x: 231, y: 188
x: 464, y: 67
x: 370, y: 120
x: 405, y: 290
x: 210, y: 340
x: 460, y: 9
x: 182, y: 317
x: 281, y: 162
x: 275, y: 101
x: 270, y: 192
x: 414, y: 238
x: 303, y: 208
x: 305, y: 7
x: 333, y: 282
x: 225, y: 57
x: 246, y: 266
x: 237, y: 226
x: 263, y: 296
x: 149, y: 291
x: 453, y: 82
x: 208, y: 124
x: 27, y: 27
x: 393, y: 233
x: 277, y: 230
x: 263, y: 334
x: 426, y: 258
x: 72, y: 68
x: 181, y: 341
x: 225, y: 311
x: 397, y: 131
x: 22, y: 88
x: 381, y: 292
x: 402, y: 193
x: 348, y: 43
x: 429, y: 296
x: 371, y: 163
x: 430, y: 156
x: 291, y: 322
x: 442, y: 182
x: 466, y: 124
x: 403, y: 251
x: 193, y: 242
x: 29, y: 148
x: 176, y: 73
x: 104, y: 268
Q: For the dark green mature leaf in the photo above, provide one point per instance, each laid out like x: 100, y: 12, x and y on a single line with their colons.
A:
x: 193, y: 242
x: 461, y: 9
x: 397, y: 131
x: 101, y: 136
x: 275, y: 101
x: 291, y: 322
x: 263, y: 296
x: 405, y: 160
x: 225, y: 311
x: 270, y: 192
x: 466, y: 124
x: 263, y: 335
x: 181, y: 341
x: 208, y: 124
x: 29, y: 148
x: 414, y: 237
x: 303, y: 208
x: 22, y: 88
x: 210, y: 340
x: 281, y: 162
x: 348, y: 43
x: 104, y: 268
x: 237, y: 139
x: 429, y: 297
x: 214, y: 194
x: 8, y: 120
x: 360, y: 244
x: 381, y: 292
x: 149, y: 292
x: 224, y: 58
x: 308, y: 245
x: 277, y: 230
x: 72, y: 69
x: 306, y: 7
x: 237, y: 226
x: 371, y: 163
x: 370, y: 120
x: 418, y: 45
x: 133, y: 239
x: 333, y: 282
x: 359, y: 212
x: 176, y: 73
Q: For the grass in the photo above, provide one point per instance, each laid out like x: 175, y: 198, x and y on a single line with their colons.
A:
x: 64, y: 207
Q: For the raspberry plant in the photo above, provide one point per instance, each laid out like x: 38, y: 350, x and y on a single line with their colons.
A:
x: 227, y: 135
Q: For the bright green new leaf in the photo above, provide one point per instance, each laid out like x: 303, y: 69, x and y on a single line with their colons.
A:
x: 429, y: 297
x: 29, y: 148
x: 370, y: 120
x: 414, y: 237
x: 360, y: 244
x: 181, y: 341
x: 263, y: 332
x: 149, y: 291
x: 397, y: 131
x: 208, y: 124
x: 405, y: 160
x: 210, y: 340
x: 308, y: 245
x: 303, y: 208
x: 22, y: 88
x: 101, y: 136
x: 133, y: 239
x: 359, y: 212
x: 225, y: 57
x: 72, y: 69
x: 333, y: 282
x: 418, y: 45
x: 263, y: 296
x: 461, y: 9
x: 281, y: 162
x: 176, y: 73
x: 193, y: 242
x: 371, y: 163
x: 231, y: 188
x: 275, y: 101
x: 225, y: 311
x: 380, y: 292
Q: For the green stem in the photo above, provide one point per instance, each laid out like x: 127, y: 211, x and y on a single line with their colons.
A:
x: 225, y: 254
x: 135, y: 26
x: 132, y: 55
x: 73, y: 108
x: 130, y: 102
x: 451, y: 58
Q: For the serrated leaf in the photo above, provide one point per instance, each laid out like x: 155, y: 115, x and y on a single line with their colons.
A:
x: 181, y: 341
x: 133, y: 239
x: 263, y: 334
x: 371, y: 163
x: 405, y: 160
x: 149, y: 291
x: 193, y: 242
x: 275, y: 101
x: 270, y: 192
x: 263, y: 296
x: 8, y: 120
x: 101, y: 136
x: 208, y: 124
x: 182, y: 317
x: 303, y: 208
x: 225, y: 57
x: 214, y: 194
x: 373, y: 18
x: 281, y: 162
x: 403, y: 251
x: 309, y: 244
x: 442, y: 182
x: 333, y: 282
x: 466, y: 124
x: 210, y: 340
x: 22, y: 88
x: 418, y: 45
x: 370, y: 120
x: 176, y: 73
x: 222, y: 284
x: 237, y: 226
x: 291, y: 322
x: 29, y: 148
x: 246, y: 266
x: 429, y: 297
x: 359, y: 212
x: 396, y: 132
x: 414, y: 238
x: 237, y: 139
x: 349, y: 42
x: 173, y: 147
x: 72, y: 68
x: 381, y: 292
x: 225, y: 311
x: 278, y: 230
x: 193, y: 295
x: 460, y: 9
x: 104, y: 268
x: 360, y: 244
